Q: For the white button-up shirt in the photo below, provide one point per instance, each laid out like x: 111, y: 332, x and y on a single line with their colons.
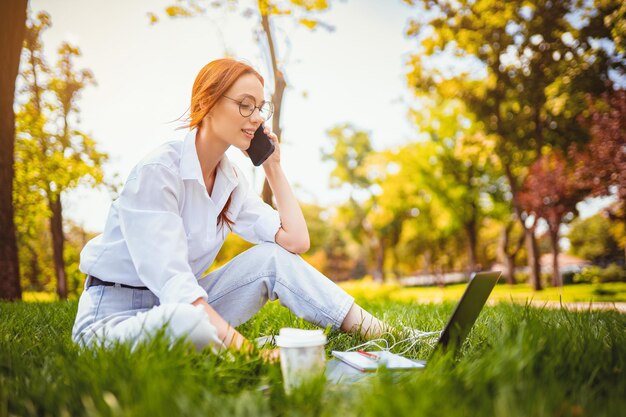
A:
x: 162, y: 230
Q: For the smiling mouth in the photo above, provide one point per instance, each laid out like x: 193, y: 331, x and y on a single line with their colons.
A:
x: 249, y: 133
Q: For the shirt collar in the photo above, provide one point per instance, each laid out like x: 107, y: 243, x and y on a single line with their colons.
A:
x: 190, y: 165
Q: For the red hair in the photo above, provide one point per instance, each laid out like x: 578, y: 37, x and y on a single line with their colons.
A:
x: 213, y: 80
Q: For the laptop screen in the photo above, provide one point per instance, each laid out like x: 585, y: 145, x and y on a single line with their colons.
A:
x: 468, y: 308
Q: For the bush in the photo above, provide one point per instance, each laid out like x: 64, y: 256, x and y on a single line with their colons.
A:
x: 595, y: 274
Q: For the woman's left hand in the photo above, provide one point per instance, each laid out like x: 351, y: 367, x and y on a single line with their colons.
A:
x: 274, y: 158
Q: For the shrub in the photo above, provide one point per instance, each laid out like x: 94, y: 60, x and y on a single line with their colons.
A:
x: 595, y: 274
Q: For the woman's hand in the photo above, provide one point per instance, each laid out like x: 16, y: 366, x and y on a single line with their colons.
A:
x: 270, y: 355
x: 274, y: 158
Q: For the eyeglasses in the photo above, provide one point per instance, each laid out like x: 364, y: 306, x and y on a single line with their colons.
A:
x: 247, y: 106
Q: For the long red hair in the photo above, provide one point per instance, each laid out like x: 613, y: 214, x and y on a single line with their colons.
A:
x: 213, y: 80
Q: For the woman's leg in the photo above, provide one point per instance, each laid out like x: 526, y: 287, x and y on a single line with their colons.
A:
x: 240, y: 288
x: 360, y: 321
x: 116, y: 314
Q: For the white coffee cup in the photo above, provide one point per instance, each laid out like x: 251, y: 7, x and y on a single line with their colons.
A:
x: 301, y: 355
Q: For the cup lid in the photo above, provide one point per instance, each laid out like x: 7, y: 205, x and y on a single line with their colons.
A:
x: 289, y: 337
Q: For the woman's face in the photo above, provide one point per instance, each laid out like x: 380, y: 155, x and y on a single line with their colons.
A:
x: 227, y: 123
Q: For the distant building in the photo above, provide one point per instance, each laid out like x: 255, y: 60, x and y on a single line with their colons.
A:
x: 568, y: 264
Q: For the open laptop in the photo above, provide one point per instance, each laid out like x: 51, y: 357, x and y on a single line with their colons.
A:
x: 454, y: 334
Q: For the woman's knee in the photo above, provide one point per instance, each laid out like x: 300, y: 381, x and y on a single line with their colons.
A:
x: 186, y: 321
x: 267, y: 250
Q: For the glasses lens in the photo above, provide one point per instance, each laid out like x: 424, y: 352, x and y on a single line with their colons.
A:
x: 246, y: 107
x: 266, y: 110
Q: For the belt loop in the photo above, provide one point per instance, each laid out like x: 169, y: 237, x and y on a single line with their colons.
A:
x: 87, y: 281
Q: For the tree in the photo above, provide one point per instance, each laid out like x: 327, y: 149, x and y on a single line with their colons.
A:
x: 601, y: 165
x: 551, y: 192
x: 12, y: 18
x: 463, y: 171
x: 524, y: 66
x: 265, y: 10
x: 54, y: 155
x: 349, y: 150
x: 420, y: 229
x: 591, y: 239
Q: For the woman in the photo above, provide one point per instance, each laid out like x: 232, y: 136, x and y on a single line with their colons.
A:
x: 171, y: 218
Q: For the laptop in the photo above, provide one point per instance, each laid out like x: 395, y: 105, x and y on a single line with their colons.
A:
x: 350, y: 366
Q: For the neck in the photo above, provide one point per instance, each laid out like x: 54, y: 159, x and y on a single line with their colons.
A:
x: 210, y: 150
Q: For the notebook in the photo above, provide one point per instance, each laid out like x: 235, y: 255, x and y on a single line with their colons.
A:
x: 387, y: 359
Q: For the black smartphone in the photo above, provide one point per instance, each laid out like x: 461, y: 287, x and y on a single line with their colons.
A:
x: 261, y: 147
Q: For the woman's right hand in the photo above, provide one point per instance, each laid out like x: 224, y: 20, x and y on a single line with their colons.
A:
x: 270, y: 355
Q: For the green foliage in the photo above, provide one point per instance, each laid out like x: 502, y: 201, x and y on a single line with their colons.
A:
x: 352, y: 157
x: 596, y: 274
x: 591, y: 239
x: 518, y: 361
x: 51, y: 154
x: 348, y: 150
x: 521, y: 70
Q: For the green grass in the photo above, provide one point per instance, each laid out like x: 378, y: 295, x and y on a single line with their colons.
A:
x: 607, y: 292
x: 367, y: 289
x: 518, y: 361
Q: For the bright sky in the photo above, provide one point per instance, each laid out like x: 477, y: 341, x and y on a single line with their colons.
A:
x: 145, y: 72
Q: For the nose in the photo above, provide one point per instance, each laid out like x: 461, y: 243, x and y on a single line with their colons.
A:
x: 256, y: 117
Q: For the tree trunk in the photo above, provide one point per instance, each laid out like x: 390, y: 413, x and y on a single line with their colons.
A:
x: 470, y: 231
x: 534, y: 273
x: 35, y: 272
x: 508, y: 259
x: 509, y: 262
x: 557, y: 280
x: 58, y: 240
x: 277, y: 98
x: 379, y: 273
x: 12, y: 28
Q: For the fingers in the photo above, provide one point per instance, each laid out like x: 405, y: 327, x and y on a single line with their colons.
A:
x: 271, y: 134
x: 270, y: 355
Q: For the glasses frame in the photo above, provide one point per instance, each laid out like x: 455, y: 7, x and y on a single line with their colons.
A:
x: 271, y: 108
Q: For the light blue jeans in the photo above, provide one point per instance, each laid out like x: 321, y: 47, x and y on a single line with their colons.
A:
x: 236, y: 291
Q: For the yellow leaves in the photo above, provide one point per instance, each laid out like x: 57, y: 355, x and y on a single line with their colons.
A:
x: 311, y: 24
x: 311, y: 5
x: 267, y: 8
x: 153, y: 18
x: 178, y: 11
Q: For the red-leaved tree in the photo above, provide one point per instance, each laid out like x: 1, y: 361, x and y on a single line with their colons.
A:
x: 551, y: 192
x: 601, y: 164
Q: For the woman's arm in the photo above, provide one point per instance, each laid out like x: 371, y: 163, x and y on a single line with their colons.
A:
x: 293, y: 234
x: 231, y: 338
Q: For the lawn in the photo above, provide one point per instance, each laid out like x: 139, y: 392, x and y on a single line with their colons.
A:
x: 520, y: 293
x: 518, y: 361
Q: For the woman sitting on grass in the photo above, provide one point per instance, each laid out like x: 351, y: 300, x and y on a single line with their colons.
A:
x: 168, y: 224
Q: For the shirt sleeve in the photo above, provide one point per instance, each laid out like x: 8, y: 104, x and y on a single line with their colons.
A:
x: 155, y: 236
x: 257, y: 221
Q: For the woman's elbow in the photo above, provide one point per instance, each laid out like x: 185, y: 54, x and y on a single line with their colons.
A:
x: 303, y: 247
x: 292, y: 243
x: 300, y: 246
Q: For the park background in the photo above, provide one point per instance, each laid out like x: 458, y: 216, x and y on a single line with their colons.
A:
x: 425, y: 139
x: 423, y: 143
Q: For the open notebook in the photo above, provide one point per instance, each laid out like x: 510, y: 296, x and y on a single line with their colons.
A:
x: 387, y: 359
